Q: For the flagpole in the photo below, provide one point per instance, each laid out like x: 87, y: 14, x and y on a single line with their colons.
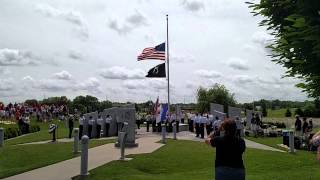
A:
x: 168, y: 78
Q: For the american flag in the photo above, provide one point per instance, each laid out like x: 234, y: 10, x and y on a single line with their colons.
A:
x: 158, y: 52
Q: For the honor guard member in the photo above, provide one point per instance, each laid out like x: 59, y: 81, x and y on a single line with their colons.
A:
x: 108, y: 121
x: 148, y: 122
x: 171, y: 120
x: 81, y: 121
x: 203, y: 122
x: 70, y: 125
x: 191, y: 120
x: 154, y: 124
x: 208, y: 125
x: 216, y: 126
x: 138, y: 120
x: 178, y: 119
x: 90, y: 123
x: 99, y: 126
x: 197, y: 124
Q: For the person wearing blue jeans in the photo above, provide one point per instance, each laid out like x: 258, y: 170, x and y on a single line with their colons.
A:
x: 229, y: 149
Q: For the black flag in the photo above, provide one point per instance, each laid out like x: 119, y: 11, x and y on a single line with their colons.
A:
x: 158, y: 71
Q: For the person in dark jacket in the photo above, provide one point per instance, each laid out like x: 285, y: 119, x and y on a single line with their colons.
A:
x: 298, y: 126
x: 70, y: 125
x: 229, y: 149
x: 305, y: 126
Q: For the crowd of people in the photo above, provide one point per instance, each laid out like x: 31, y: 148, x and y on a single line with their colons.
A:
x: 20, y: 113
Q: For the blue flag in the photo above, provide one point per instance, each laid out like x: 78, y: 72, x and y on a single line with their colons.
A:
x: 163, y: 112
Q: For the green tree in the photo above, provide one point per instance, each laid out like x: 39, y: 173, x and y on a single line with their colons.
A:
x: 264, y: 110
x: 89, y: 102
x: 295, y: 24
x: 216, y: 94
x: 30, y: 102
x: 288, y: 113
x: 299, y: 112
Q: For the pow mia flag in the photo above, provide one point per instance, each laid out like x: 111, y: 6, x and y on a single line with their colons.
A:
x: 158, y: 71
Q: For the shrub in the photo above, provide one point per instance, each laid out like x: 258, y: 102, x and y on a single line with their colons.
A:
x: 12, y: 132
x: 299, y: 112
x: 288, y: 113
x: 34, y: 128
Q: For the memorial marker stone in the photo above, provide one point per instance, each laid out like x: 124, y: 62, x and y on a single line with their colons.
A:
x: 128, y: 115
x: 234, y: 112
x: 217, y: 110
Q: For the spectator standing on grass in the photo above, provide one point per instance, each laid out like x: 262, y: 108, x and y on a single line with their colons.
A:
x: 229, y: 149
x: 316, y: 143
x: 298, y: 125
x: 254, y: 125
x: 310, y: 125
x: 81, y: 121
x: 70, y: 124
x: 305, y: 126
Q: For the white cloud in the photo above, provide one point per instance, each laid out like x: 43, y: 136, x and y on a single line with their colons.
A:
x: 181, y: 59
x: 207, y: 73
x: 70, y: 16
x: 262, y: 38
x: 63, y: 75
x: 14, y: 57
x: 121, y: 72
x: 4, y: 71
x: 6, y: 84
x: 91, y: 85
x: 51, y: 85
x: 27, y: 78
x: 146, y: 84
x: 75, y: 55
x: 243, y: 78
x: 238, y: 64
x: 193, y: 5
x: 134, y: 84
x: 132, y: 22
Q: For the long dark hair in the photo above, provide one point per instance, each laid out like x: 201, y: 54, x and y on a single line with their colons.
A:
x: 230, y: 128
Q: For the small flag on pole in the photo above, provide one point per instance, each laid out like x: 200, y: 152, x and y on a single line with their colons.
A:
x: 156, y: 107
x: 163, y: 112
x: 158, y: 52
x: 158, y: 71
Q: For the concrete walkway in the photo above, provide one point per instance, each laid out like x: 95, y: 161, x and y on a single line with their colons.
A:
x: 186, y: 135
x: 98, y: 156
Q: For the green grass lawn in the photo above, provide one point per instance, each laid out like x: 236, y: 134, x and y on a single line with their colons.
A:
x: 269, y: 141
x: 193, y: 160
x: 42, y: 135
x: 279, y: 113
x: 20, y: 158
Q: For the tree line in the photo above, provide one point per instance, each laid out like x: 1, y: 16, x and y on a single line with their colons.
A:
x: 220, y: 94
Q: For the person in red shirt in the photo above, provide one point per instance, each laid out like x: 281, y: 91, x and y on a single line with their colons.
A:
x: 18, y: 114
